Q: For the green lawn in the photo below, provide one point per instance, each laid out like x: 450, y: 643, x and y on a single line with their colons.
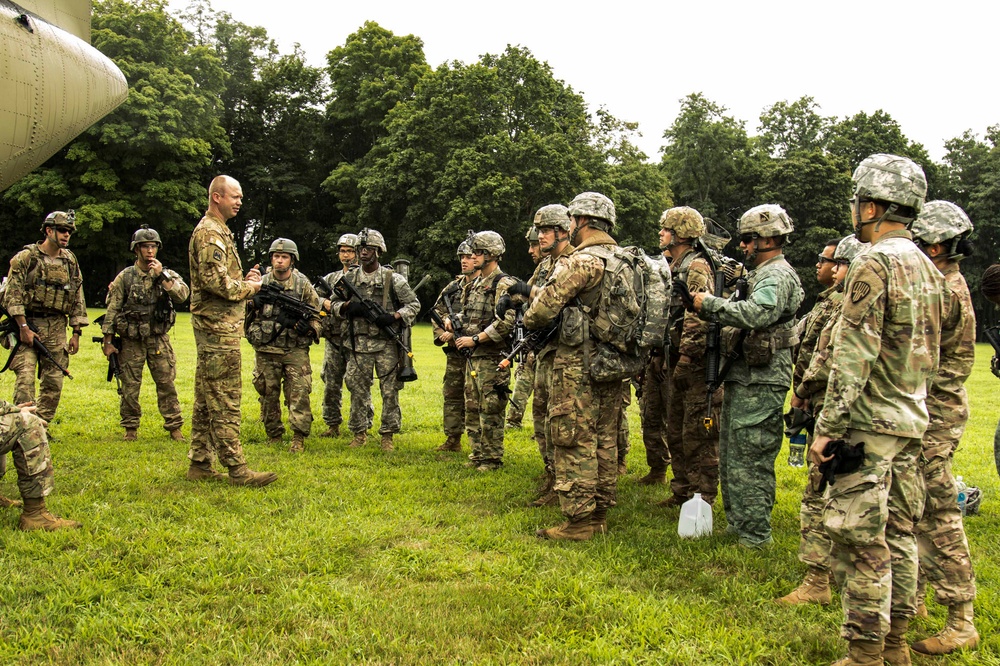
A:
x: 358, y: 556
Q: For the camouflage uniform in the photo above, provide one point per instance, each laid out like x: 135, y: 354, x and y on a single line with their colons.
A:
x: 755, y: 389
x: 486, y: 393
x: 885, y: 348
x: 141, y: 312
x: 334, y: 364
x: 369, y: 350
x: 283, y: 359
x: 692, y: 450
x: 524, y: 382
x: 24, y: 436
x: 543, y: 369
x: 45, y: 290
x: 218, y: 292
x: 453, y: 383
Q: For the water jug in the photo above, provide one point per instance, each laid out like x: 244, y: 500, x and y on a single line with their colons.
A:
x: 797, y: 450
x: 696, y: 518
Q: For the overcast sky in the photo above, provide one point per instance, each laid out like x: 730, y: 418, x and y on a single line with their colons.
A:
x: 638, y: 59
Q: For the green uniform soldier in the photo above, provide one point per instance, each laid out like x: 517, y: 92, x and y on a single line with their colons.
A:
x: 141, y: 311
x: 885, y: 353
x: 941, y: 231
x: 369, y: 349
x: 524, y: 375
x: 281, y: 349
x: 45, y: 286
x: 486, y: 336
x: 218, y: 295
x: 763, y: 333
x: 334, y: 354
x: 453, y: 383
x: 810, y: 376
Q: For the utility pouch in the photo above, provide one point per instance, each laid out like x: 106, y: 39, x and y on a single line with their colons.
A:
x: 571, y: 328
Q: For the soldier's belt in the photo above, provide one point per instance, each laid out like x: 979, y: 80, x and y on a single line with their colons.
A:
x: 40, y: 314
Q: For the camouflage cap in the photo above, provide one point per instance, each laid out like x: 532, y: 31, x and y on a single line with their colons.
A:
x: 531, y: 235
x: 716, y: 236
x: 145, y: 235
x: 595, y: 205
x: 848, y: 248
x: 489, y: 242
x: 371, y: 238
x: 684, y: 221
x: 891, y: 178
x: 350, y: 240
x: 766, y: 221
x: 284, y: 245
x: 60, y: 219
x: 940, y: 221
x: 553, y: 215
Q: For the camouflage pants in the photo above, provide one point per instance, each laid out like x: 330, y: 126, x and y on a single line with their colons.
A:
x: 624, y: 445
x: 653, y: 411
x: 996, y: 447
x: 942, y: 546
x: 749, y: 442
x: 485, y: 403
x: 583, y: 425
x: 524, y: 382
x: 870, y: 515
x: 218, y: 389
x: 334, y: 367
x: 453, y: 391
x: 24, y: 437
x: 359, y: 378
x: 158, y: 354
x: 52, y: 333
x: 694, y: 451
x: 540, y: 409
x: 289, y: 371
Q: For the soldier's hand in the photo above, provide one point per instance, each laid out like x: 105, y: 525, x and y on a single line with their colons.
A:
x: 448, y: 325
x: 73, y: 346
x: 27, y: 336
x: 26, y: 406
x: 108, y: 349
x: 798, y: 402
x: 465, y: 342
x: 385, y: 320
x: 352, y: 309
x: 253, y: 275
x: 818, y: 449
x: 327, y: 304
x: 504, y: 303
x: 698, y: 299
x: 446, y: 337
x: 155, y: 268
x: 520, y: 288
x: 656, y: 367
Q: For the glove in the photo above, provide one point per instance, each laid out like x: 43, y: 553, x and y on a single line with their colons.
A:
x: 681, y: 291
x: 520, y: 288
x: 995, y: 366
x: 846, y: 458
x: 353, y: 310
x: 504, y: 303
x: 385, y: 320
x: 302, y: 327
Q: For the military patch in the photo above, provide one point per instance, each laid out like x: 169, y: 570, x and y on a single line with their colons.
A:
x: 217, y: 255
x: 859, y: 291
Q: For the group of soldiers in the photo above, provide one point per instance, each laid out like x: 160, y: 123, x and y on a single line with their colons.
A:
x: 876, y: 370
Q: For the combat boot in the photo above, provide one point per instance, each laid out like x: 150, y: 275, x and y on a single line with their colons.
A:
x: 274, y: 441
x: 387, y: 442
x: 298, y: 443
x: 8, y: 503
x: 360, y: 438
x: 896, y: 652
x: 815, y: 589
x: 177, y: 435
x: 241, y: 475
x: 599, y: 520
x: 958, y: 634
x: 131, y: 434
x: 332, y: 431
x: 453, y: 443
x: 862, y: 653
x: 574, y: 529
x: 622, y: 469
x: 202, y: 471
x: 656, y: 476
x: 549, y: 498
x: 36, y: 517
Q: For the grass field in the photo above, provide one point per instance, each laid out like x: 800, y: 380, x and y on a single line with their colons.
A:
x: 358, y: 556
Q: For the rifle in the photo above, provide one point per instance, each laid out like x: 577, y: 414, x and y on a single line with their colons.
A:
x: 322, y: 288
x: 292, y: 312
x: 467, y: 353
x: 10, y: 327
x: 372, y: 311
x: 114, y: 366
x: 530, y: 342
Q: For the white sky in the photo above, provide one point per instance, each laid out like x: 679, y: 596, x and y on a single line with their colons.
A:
x: 638, y: 59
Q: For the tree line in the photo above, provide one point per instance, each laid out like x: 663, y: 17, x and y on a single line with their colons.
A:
x: 379, y: 138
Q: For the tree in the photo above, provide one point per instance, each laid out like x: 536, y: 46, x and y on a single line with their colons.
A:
x: 787, y: 128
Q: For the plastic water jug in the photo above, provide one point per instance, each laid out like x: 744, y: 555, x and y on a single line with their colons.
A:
x: 962, y: 495
x: 696, y: 518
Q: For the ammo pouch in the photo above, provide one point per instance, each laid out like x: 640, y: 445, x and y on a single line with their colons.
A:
x: 608, y: 364
x: 759, y: 346
x: 572, y: 328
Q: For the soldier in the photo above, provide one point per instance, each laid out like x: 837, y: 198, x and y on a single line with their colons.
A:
x: 334, y: 354
x: 808, y: 389
x: 370, y: 349
x: 486, y: 335
x: 524, y: 376
x: 281, y: 349
x: 693, y: 449
x: 23, y: 434
x: 757, y: 380
x: 141, y: 311
x: 583, y: 414
x: 453, y: 383
x: 218, y: 294
x: 989, y: 287
x: 44, y: 285
x: 885, y: 351
x: 941, y: 231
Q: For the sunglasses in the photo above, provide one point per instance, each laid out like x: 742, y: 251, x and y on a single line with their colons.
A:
x: 746, y: 239
x: 64, y: 230
x: 824, y: 260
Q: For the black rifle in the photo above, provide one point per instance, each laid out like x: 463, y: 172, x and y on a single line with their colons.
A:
x: 531, y: 342
x: 10, y: 327
x: 114, y: 366
x: 292, y: 312
x: 993, y: 336
x: 322, y: 288
x: 371, y: 312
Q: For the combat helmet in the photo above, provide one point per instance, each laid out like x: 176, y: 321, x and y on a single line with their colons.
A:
x: 940, y: 222
x: 286, y: 246
x: 553, y: 215
x: 371, y: 238
x: 531, y: 235
x: 145, y: 235
x: 683, y: 221
x: 350, y: 240
x: 465, y: 247
x: 892, y: 179
x: 489, y: 242
x: 60, y: 219
x: 594, y: 205
x: 766, y: 221
x: 848, y: 248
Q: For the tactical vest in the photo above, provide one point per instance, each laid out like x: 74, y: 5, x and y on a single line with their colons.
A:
x: 676, y: 317
x: 51, y: 283
x: 332, y: 327
x: 479, y: 306
x: 380, y: 290
x: 146, y: 309
x: 265, y: 322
